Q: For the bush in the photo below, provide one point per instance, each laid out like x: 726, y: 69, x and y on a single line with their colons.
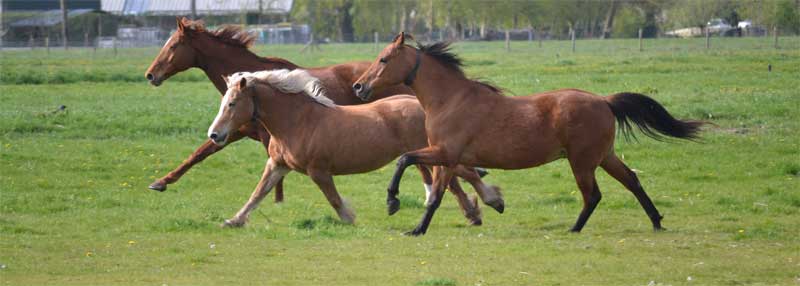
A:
x: 627, y: 23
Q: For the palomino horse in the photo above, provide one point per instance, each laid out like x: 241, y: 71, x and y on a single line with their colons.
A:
x: 474, y: 124
x: 225, y: 51
x: 314, y: 136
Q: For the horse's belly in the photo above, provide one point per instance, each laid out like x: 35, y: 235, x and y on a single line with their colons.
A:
x: 347, y: 167
x: 510, y: 154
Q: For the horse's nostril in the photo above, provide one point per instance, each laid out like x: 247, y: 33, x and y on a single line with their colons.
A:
x: 357, y: 87
x: 213, y: 136
x: 149, y: 76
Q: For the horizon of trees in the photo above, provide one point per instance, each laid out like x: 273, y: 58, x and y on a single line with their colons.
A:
x: 357, y: 20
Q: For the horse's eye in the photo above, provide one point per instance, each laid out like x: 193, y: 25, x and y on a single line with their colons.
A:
x: 231, y: 104
x: 383, y: 60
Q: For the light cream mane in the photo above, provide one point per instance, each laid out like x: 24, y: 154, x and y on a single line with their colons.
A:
x: 295, y: 81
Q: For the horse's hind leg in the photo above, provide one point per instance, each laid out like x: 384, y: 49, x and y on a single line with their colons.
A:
x: 324, y: 181
x: 490, y: 195
x: 469, y: 207
x: 584, y: 176
x: 272, y: 174
x: 617, y: 169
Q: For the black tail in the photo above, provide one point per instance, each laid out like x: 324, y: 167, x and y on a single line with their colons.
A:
x: 650, y: 117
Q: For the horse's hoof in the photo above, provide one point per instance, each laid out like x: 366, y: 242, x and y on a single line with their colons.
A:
x: 482, y: 172
x: 498, y: 205
x: 474, y: 215
x: 415, y: 232
x: 393, y: 205
x: 659, y: 229
x: 231, y: 224
x: 158, y: 186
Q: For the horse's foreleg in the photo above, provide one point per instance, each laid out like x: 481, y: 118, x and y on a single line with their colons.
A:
x: 441, y: 177
x: 490, y: 195
x: 617, y: 169
x: 469, y: 207
x: 324, y: 181
x: 272, y: 174
x: 262, y: 135
x: 421, y: 156
x: 198, y: 156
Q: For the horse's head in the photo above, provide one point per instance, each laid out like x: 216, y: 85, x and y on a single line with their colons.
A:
x: 396, y: 64
x: 176, y: 56
x: 237, y: 108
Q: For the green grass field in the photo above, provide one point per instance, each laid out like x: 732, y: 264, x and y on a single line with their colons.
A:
x: 75, y: 208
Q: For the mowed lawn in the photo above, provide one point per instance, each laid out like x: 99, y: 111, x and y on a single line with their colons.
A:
x: 75, y: 208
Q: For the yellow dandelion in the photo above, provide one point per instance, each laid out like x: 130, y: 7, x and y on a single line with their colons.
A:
x: 621, y: 241
x: 131, y: 242
x: 89, y: 254
x: 741, y: 231
x: 423, y: 262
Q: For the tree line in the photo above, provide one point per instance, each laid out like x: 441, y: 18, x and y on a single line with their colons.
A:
x: 358, y: 20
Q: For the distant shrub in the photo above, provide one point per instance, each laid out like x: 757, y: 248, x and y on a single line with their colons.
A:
x: 627, y: 23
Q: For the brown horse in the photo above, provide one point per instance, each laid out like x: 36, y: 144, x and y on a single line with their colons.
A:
x: 225, y: 51
x: 474, y: 124
x: 312, y: 135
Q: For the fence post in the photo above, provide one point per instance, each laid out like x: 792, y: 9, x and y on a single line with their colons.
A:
x: 30, y: 42
x: 375, y: 46
x: 640, y: 39
x: 708, y: 39
x: 86, y: 39
x: 775, y: 32
x: 539, y: 37
x: 508, y: 41
x: 47, y: 44
x: 572, y: 34
x: 114, y: 43
x: 530, y: 35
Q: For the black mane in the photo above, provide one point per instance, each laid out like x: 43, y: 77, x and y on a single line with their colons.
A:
x: 441, y: 51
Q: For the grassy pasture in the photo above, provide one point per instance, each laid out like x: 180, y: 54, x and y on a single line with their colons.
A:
x: 75, y: 209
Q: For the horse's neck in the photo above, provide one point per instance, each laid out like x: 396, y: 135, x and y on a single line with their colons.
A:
x: 218, y: 59
x: 436, y: 85
x: 287, y: 115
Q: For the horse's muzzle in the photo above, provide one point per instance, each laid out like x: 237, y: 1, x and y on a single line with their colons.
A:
x: 155, y: 81
x: 218, y: 139
x: 362, y: 91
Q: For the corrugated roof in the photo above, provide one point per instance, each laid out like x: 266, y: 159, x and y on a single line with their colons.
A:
x: 48, y: 18
x: 203, y: 7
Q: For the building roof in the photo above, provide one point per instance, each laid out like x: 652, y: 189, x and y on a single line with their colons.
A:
x: 203, y: 7
x: 48, y: 18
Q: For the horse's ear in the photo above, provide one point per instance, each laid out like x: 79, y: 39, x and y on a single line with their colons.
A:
x: 180, y: 24
x: 400, y: 39
x: 242, y: 83
x: 225, y: 78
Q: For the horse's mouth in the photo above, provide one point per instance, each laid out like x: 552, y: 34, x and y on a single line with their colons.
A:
x: 220, y: 140
x: 155, y: 82
x: 364, y: 95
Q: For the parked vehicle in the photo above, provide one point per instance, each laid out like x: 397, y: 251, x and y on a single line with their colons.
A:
x: 718, y: 26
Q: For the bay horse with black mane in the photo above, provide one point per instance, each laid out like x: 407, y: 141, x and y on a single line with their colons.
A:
x: 474, y: 124
x: 222, y: 52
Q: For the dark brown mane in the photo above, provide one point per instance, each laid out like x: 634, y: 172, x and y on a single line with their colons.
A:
x: 228, y: 34
x: 443, y: 54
